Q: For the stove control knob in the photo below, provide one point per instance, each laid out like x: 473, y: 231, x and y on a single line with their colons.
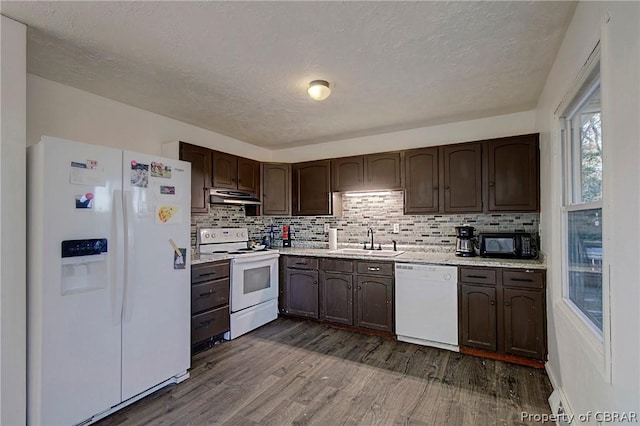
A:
x: 206, y: 235
x: 213, y: 235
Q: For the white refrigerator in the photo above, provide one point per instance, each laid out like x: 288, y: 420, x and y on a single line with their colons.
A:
x: 108, y: 312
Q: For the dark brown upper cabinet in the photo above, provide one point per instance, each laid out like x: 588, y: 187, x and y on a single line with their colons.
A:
x: 276, y: 189
x: 347, y: 174
x: 462, y: 178
x: 248, y: 175
x: 225, y: 170
x: 513, y: 177
x: 422, y: 181
x: 311, y: 188
x: 200, y: 159
x: 232, y: 172
x: 383, y: 171
x: 367, y: 172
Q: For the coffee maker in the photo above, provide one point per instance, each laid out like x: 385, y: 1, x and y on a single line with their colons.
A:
x: 465, y: 241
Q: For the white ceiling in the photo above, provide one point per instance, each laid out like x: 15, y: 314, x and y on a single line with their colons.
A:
x: 242, y: 68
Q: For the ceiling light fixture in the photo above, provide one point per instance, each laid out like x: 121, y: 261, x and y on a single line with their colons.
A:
x: 319, y: 90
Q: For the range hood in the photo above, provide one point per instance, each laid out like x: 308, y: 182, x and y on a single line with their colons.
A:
x: 232, y: 196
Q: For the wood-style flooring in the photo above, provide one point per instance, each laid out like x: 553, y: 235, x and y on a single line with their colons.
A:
x: 300, y: 372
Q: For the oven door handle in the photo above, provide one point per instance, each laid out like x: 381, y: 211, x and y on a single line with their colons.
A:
x: 254, y: 258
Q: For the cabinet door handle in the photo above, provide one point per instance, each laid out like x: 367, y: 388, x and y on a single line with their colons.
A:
x: 359, y: 288
x: 446, y: 187
x: 301, y: 263
x: 205, y: 323
x: 507, y: 304
x: 492, y: 184
x: 348, y: 287
x: 207, y: 274
x: 371, y: 268
x: 493, y: 302
x: 315, y: 282
x: 209, y: 293
x: 523, y: 280
x: 478, y: 276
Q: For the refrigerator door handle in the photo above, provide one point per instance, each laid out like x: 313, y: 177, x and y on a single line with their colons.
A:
x: 128, y: 253
x: 119, y: 257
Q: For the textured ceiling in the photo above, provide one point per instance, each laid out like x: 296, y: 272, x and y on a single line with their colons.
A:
x: 242, y: 68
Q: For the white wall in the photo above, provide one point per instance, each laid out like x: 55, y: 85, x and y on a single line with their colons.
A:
x: 13, y: 346
x: 65, y: 112
x: 591, y: 375
x: 463, y: 131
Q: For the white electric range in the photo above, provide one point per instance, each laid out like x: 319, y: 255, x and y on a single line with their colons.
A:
x: 254, y: 277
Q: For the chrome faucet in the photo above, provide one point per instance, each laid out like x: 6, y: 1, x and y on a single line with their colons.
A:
x: 370, y: 232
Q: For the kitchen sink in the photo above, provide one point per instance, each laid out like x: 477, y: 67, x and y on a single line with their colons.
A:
x: 365, y: 252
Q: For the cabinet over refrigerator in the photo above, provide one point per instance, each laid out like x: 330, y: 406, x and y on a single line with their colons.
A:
x: 108, y: 278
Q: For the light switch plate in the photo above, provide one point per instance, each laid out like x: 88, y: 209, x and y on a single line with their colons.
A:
x: 396, y: 228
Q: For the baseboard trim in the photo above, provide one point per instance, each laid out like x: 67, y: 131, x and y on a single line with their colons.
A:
x: 513, y: 359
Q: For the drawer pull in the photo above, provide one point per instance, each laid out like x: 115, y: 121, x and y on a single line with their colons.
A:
x: 209, y: 293
x: 523, y: 280
x: 370, y: 268
x: 204, y: 324
x: 493, y: 302
x: 483, y: 277
x: 206, y: 274
x: 301, y: 263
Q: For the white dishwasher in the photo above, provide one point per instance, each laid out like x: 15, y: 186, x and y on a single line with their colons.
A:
x: 427, y: 305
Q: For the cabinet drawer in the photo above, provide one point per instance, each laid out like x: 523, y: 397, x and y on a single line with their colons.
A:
x: 209, y: 324
x: 209, y: 272
x: 530, y: 278
x: 478, y: 275
x: 209, y: 295
x: 301, y: 262
x: 375, y: 268
x: 336, y: 265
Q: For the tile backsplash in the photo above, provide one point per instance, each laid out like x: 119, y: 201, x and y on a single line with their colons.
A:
x: 380, y: 212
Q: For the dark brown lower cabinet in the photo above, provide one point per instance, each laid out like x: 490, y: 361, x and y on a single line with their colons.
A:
x: 478, y: 317
x: 524, y: 322
x: 302, y: 293
x: 503, y: 310
x: 209, y: 303
x: 357, y: 293
x: 336, y: 289
x: 374, y: 307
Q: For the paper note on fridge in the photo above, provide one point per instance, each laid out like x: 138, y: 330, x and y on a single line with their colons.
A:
x: 168, y: 214
x: 87, y: 173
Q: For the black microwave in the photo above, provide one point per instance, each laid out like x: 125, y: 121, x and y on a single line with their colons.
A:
x: 512, y: 245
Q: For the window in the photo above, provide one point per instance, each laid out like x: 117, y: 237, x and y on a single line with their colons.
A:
x: 582, y: 207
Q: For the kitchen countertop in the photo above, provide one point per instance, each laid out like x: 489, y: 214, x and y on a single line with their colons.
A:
x: 200, y: 259
x: 406, y: 257
x: 424, y: 257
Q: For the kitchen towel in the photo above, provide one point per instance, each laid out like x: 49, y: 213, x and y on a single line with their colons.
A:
x: 333, y: 239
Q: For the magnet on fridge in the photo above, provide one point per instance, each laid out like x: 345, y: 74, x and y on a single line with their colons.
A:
x: 178, y: 261
x: 84, y: 201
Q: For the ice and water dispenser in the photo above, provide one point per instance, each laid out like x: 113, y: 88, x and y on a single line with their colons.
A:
x: 84, y: 265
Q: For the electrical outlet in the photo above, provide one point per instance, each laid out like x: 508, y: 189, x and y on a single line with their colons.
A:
x: 326, y: 227
x: 396, y: 228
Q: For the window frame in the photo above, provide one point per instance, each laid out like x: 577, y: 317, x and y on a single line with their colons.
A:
x: 589, y: 80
